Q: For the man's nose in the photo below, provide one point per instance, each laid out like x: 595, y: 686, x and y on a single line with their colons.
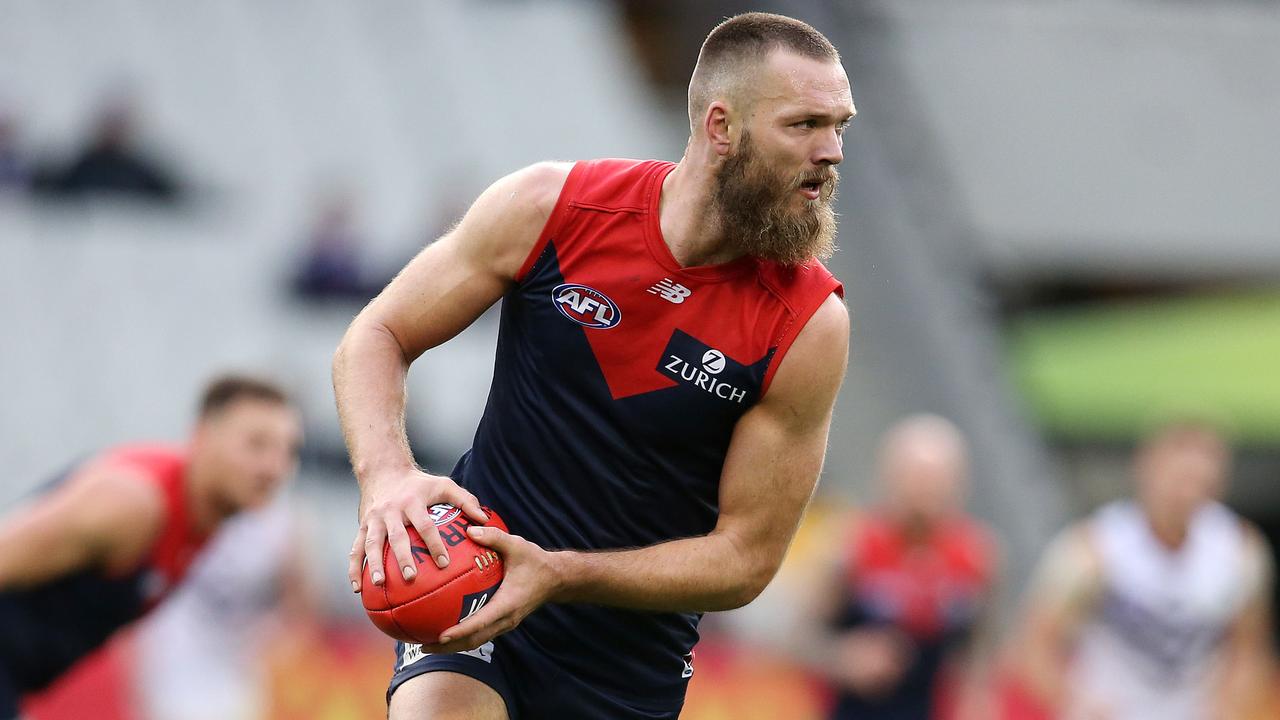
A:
x: 830, y: 150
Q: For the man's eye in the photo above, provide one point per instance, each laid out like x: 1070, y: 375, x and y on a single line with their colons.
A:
x: 807, y: 124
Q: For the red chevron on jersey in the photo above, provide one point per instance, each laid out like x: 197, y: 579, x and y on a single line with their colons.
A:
x: 619, y: 283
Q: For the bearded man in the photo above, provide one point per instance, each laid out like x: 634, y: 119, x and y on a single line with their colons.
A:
x: 669, y: 356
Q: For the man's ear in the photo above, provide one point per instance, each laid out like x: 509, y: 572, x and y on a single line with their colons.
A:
x: 718, y: 125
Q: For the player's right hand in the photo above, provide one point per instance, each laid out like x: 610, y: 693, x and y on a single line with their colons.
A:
x: 391, y: 502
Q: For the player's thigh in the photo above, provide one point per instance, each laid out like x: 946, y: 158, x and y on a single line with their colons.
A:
x: 444, y: 695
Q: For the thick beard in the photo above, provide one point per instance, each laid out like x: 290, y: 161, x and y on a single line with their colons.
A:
x: 755, y: 210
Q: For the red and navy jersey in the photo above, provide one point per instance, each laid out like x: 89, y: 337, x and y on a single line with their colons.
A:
x: 46, y: 629
x: 931, y: 589
x: 619, y: 378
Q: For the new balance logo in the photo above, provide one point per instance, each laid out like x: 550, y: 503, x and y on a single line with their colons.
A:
x: 412, y: 653
x: 476, y: 604
x: 670, y: 291
x: 472, y: 602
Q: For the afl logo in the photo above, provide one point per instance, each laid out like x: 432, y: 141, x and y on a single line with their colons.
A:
x: 713, y: 361
x: 442, y: 513
x: 586, y: 306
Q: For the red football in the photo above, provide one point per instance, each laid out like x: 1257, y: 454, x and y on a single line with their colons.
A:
x: 436, y: 598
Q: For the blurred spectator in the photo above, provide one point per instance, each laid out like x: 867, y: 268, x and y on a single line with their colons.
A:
x: 203, y: 656
x: 111, y: 162
x: 332, y: 267
x: 15, y: 172
x: 906, y: 607
x: 1156, y: 607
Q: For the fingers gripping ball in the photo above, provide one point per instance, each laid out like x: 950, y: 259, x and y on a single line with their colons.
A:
x: 436, y: 598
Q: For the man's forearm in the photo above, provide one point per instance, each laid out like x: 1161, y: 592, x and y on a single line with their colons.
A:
x: 368, y: 383
x: 698, y: 574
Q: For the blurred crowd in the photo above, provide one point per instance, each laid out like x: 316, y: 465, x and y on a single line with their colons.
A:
x: 111, y: 160
x: 115, y: 161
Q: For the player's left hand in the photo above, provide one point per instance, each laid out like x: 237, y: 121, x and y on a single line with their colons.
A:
x: 529, y: 580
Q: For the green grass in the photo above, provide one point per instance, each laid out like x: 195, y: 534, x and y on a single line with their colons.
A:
x: 1108, y: 372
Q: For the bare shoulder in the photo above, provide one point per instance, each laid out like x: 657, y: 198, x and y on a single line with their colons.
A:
x: 531, y: 191
x: 1077, y: 540
x: 540, y: 184
x: 504, y: 223
x: 1257, y: 558
x: 1070, y: 569
x: 812, y: 370
x: 827, y: 327
x: 118, y: 510
x: 121, y: 494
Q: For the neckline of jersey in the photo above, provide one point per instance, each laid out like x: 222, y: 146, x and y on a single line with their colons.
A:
x: 662, y: 253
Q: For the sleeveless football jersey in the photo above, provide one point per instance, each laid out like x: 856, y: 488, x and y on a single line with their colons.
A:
x: 618, y: 381
x: 46, y: 629
x: 1150, y: 650
x: 931, y: 590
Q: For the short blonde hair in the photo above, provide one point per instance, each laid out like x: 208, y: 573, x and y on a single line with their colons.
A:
x: 739, y: 44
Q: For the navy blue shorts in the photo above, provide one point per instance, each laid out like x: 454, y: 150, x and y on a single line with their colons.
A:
x: 8, y: 697
x: 532, y: 684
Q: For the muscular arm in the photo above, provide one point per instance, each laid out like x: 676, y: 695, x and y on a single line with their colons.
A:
x: 101, y: 518
x: 1064, y: 590
x: 442, y: 291
x: 769, y: 474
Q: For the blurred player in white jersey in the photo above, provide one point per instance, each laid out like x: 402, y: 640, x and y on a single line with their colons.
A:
x: 203, y: 655
x: 1156, y: 607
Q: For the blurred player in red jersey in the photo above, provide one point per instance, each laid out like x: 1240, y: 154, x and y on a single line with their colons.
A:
x: 667, y: 365
x: 107, y: 541
x: 908, y: 600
